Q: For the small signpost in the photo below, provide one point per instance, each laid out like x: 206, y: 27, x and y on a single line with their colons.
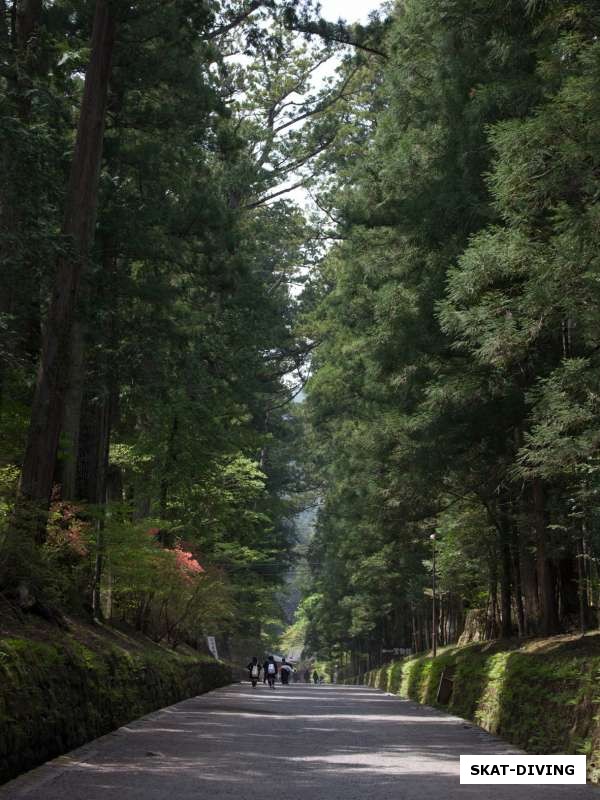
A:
x: 398, y: 651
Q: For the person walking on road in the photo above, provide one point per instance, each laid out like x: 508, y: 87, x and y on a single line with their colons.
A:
x: 265, y: 666
x: 306, y: 676
x: 284, y: 672
x: 271, y: 671
x: 315, y: 677
x: 254, y: 671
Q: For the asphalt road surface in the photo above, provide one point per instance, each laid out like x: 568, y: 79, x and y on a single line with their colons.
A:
x: 291, y: 743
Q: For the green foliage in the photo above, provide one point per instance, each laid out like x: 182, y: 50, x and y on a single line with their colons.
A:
x: 454, y: 388
x: 175, y: 416
x: 447, y: 324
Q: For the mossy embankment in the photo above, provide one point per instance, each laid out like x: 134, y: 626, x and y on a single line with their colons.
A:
x: 60, y: 689
x: 541, y: 695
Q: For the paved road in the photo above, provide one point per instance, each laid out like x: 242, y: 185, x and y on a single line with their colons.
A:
x: 308, y: 743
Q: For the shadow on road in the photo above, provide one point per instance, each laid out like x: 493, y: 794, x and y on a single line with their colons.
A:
x: 301, y: 743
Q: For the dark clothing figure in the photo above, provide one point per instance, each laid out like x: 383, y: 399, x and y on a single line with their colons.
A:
x: 265, y: 665
x: 284, y: 672
x: 306, y: 676
x: 271, y: 672
x: 315, y: 677
x: 253, y: 671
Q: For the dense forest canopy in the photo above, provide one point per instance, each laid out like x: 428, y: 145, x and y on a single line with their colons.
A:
x: 166, y: 293
x: 147, y: 320
x: 455, y: 387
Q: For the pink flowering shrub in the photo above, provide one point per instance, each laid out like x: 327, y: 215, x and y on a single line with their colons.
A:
x: 187, y: 565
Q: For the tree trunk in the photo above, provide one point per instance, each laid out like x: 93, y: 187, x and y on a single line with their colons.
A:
x: 72, y: 416
x: 4, y: 32
x: 505, y: 532
x: 530, y: 591
x: 113, y: 494
x: 95, y: 444
x: 518, y: 593
x: 529, y: 578
x: 545, y: 568
x: 28, y: 14
x: 170, y: 460
x: 492, y: 614
x: 581, y: 586
x: 570, y: 582
x: 27, y: 20
x: 442, y: 621
x: 93, y: 449
x: 18, y: 47
x: 78, y: 227
x: 98, y: 566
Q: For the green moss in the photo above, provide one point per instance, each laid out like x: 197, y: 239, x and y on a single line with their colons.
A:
x: 545, y: 700
x: 54, y: 697
x: 395, y: 673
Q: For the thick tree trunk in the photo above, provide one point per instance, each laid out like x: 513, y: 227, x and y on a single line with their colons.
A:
x: 97, y: 407
x: 93, y: 448
x: 78, y: 227
x: 72, y: 416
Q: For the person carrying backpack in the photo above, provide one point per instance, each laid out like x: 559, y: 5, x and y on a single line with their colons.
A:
x: 254, y: 671
x: 271, y: 672
x: 284, y: 672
